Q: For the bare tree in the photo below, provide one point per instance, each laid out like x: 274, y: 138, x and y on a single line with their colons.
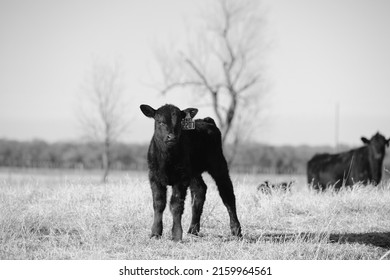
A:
x: 222, y: 62
x: 102, y: 109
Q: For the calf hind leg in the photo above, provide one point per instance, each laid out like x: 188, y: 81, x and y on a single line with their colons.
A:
x: 220, y: 174
x: 198, y: 196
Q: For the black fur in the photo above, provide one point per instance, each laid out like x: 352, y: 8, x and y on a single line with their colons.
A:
x: 178, y: 157
x: 362, y: 165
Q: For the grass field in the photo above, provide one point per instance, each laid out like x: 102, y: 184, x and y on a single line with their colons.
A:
x: 71, y: 215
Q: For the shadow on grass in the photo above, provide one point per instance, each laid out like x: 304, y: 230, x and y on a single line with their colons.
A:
x: 378, y: 239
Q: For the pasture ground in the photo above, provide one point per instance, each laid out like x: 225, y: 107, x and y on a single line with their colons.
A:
x: 71, y: 215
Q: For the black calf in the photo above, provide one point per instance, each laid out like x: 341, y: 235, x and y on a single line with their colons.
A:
x: 178, y: 155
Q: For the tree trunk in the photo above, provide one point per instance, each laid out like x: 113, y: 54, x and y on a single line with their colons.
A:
x: 106, y: 160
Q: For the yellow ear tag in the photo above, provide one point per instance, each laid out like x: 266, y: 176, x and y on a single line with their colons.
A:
x: 187, y: 123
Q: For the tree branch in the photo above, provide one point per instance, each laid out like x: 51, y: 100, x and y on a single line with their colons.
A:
x: 199, y: 74
x: 222, y: 68
x: 212, y: 91
x: 249, y: 84
x: 180, y: 84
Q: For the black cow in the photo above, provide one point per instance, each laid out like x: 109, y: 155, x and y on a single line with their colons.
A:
x: 267, y: 187
x: 362, y: 165
x: 178, y: 154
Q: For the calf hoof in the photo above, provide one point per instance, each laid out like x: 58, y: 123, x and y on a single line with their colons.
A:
x: 155, y: 235
x: 236, y: 231
x: 176, y: 239
x: 177, y: 235
x: 194, y: 230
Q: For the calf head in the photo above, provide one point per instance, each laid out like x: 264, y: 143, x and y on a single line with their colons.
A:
x: 376, y: 145
x: 167, y: 122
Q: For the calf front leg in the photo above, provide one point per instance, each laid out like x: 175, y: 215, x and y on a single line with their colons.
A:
x: 159, y: 193
x: 198, y: 196
x: 177, y: 207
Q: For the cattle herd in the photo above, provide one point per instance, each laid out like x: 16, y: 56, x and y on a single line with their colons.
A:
x: 182, y: 149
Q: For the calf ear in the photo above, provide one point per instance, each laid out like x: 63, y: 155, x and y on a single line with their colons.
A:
x: 148, y: 111
x: 365, y: 140
x: 191, y: 111
x: 388, y: 142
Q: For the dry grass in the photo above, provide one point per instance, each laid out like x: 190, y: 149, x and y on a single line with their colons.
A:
x: 72, y: 216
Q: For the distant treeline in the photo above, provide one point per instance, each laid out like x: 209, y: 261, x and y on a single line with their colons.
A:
x: 71, y: 155
x: 249, y: 157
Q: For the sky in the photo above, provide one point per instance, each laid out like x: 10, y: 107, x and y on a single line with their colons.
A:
x: 322, y: 55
